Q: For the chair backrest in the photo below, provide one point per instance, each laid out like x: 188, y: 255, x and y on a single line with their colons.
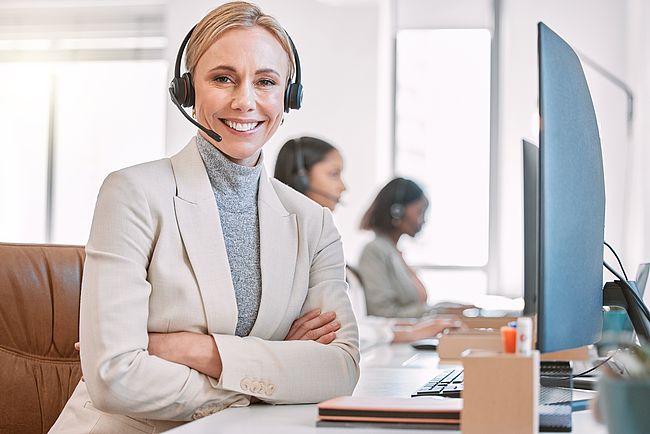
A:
x: 40, y: 287
x: 356, y: 293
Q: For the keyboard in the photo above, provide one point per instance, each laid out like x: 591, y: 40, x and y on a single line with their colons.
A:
x: 553, y: 378
x: 449, y: 383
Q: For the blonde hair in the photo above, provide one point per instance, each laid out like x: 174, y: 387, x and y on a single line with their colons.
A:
x: 230, y: 16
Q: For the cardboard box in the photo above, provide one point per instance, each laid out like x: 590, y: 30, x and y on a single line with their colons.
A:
x: 452, y: 345
x: 501, y: 393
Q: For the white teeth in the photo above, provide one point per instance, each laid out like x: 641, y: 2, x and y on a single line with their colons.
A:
x: 239, y: 126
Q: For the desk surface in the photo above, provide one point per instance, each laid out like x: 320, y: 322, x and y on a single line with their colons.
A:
x: 395, y: 370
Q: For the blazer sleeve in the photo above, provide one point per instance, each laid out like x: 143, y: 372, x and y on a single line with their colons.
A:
x: 301, y: 371
x: 387, y: 294
x: 120, y: 375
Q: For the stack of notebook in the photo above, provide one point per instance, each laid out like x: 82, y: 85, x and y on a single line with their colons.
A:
x: 424, y: 412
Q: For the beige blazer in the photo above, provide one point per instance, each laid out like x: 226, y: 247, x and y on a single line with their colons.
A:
x: 156, y: 262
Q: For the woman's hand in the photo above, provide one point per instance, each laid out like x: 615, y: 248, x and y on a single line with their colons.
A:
x: 195, y: 350
x: 314, y: 326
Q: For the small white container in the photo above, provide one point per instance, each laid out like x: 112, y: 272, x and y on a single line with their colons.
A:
x: 524, y: 335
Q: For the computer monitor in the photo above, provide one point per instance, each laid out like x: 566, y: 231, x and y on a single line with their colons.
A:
x: 571, y: 208
x: 530, y: 154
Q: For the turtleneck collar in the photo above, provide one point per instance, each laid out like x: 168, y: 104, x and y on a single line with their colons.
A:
x: 235, y: 186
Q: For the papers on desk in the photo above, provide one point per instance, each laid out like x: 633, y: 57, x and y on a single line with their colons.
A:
x: 423, y: 412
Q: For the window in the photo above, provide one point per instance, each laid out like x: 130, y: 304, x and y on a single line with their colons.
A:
x: 442, y: 141
x: 87, y: 96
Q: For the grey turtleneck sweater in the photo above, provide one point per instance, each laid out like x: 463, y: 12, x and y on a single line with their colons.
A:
x: 235, y: 189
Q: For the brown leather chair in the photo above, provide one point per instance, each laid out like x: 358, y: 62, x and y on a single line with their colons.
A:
x: 39, y: 324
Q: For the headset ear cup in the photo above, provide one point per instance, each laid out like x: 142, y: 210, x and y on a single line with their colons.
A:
x: 188, y: 100
x: 397, y: 211
x: 296, y: 96
x: 293, y: 97
x: 183, y: 90
x: 178, y: 89
x: 301, y: 181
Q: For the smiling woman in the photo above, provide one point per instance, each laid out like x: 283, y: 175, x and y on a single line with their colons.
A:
x: 191, y: 258
x: 239, y: 83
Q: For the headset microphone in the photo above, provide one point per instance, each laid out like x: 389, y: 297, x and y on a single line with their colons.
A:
x: 325, y: 195
x: 181, y: 89
x: 210, y: 133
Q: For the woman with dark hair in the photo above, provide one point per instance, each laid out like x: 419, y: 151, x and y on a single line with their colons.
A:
x: 392, y: 287
x: 314, y: 167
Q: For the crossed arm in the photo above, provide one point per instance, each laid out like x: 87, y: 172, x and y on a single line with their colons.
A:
x: 199, y: 351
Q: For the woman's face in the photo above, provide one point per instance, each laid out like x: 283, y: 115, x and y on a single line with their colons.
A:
x: 240, y: 82
x: 325, y: 182
x: 413, y: 219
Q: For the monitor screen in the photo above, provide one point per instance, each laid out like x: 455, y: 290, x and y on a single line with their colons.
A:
x: 642, y: 277
x: 571, y: 201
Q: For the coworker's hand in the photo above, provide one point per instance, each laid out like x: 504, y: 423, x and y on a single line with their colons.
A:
x: 426, y: 328
x: 314, y: 326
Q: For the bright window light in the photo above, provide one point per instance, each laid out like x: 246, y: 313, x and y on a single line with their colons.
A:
x: 106, y: 116
x: 109, y: 115
x: 23, y: 151
x: 443, y: 140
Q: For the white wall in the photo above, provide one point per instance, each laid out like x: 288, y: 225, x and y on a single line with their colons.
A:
x: 599, y: 29
x: 638, y: 70
x: 337, y: 43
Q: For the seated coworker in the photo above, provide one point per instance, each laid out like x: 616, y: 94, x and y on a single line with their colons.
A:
x: 207, y: 284
x: 314, y: 167
x: 392, y: 287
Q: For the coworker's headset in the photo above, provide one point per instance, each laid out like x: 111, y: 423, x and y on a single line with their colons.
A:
x: 397, y: 209
x: 300, y: 180
x: 181, y: 89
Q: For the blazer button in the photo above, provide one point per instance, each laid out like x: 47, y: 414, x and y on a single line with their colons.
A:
x: 270, y: 388
x: 245, y: 384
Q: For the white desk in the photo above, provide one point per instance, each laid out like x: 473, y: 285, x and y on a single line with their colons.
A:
x: 395, y: 370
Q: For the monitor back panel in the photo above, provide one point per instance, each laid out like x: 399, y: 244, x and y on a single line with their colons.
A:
x: 572, y: 201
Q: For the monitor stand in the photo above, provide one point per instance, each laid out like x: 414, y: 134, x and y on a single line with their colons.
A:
x: 616, y: 293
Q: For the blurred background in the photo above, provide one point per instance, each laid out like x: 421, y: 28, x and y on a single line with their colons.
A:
x: 440, y: 91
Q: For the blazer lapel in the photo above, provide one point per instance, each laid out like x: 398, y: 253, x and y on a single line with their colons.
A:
x: 198, y: 221
x: 278, y: 253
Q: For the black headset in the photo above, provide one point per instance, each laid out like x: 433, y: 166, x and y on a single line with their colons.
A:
x: 181, y: 89
x: 300, y: 180
x: 397, y: 209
